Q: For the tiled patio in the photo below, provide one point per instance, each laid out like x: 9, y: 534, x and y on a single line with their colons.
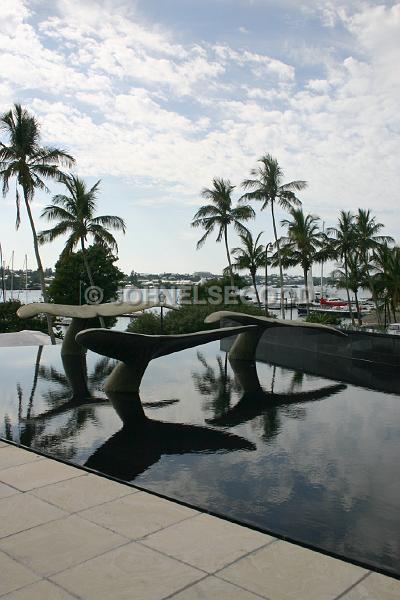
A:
x: 68, y: 534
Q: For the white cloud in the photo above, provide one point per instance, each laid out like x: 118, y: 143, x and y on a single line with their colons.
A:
x: 129, y: 102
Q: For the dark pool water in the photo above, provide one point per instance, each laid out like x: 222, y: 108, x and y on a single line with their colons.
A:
x: 294, y: 454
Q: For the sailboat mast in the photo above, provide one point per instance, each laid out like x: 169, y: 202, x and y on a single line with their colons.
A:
x: 322, y: 266
x: 12, y: 275
x: 3, y: 284
x: 26, y: 279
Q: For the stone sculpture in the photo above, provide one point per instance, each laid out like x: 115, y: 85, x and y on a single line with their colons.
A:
x: 82, y: 314
x: 136, y: 350
x: 245, y: 345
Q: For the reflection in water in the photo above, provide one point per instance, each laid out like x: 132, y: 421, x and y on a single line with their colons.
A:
x: 142, y: 441
x: 215, y: 384
x: 304, y: 457
x: 255, y: 401
x: 71, y: 392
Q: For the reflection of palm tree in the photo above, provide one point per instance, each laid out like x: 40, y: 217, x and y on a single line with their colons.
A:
x: 255, y: 401
x: 73, y: 394
x: 216, y: 384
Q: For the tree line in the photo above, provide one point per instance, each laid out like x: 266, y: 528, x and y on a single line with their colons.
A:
x: 27, y: 163
x: 365, y: 257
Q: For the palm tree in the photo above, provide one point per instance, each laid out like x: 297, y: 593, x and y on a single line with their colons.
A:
x: 386, y: 261
x: 267, y: 187
x: 75, y: 215
x: 29, y: 163
x: 369, y: 239
x: 303, y: 243
x: 250, y: 256
x: 342, y: 243
x: 220, y: 214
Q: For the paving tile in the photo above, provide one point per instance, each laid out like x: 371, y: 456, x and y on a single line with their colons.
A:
x: 138, y: 515
x: 375, y: 587
x: 42, y: 590
x: 83, y: 492
x: 10, y: 456
x: 21, y: 512
x: 33, y: 475
x: 207, y: 542
x: 214, y: 588
x: 13, y: 575
x: 55, y: 546
x: 6, y: 490
x: 284, y: 571
x: 4, y: 444
x: 132, y: 572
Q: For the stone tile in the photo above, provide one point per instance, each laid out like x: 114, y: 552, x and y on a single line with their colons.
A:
x: 6, y: 490
x: 10, y: 456
x: 20, y: 512
x: 207, y: 542
x: 42, y: 590
x: 37, y: 474
x: 13, y: 575
x: 375, y: 587
x: 212, y: 587
x: 284, y: 571
x: 83, y: 492
x: 58, y: 545
x: 137, y: 515
x: 3, y: 444
x: 132, y: 572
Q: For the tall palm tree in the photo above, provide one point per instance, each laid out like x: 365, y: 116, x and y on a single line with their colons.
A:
x: 303, y: 243
x: 386, y: 261
x: 342, y: 243
x: 250, y: 256
x: 220, y: 214
x: 29, y: 164
x: 369, y: 238
x: 267, y: 186
x: 75, y: 215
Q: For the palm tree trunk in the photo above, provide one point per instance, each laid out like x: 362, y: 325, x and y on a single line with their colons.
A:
x: 228, y: 256
x: 346, y: 273
x: 307, y: 291
x: 89, y: 274
x: 253, y: 277
x: 39, y: 265
x: 357, y: 308
x: 266, y: 280
x: 278, y: 251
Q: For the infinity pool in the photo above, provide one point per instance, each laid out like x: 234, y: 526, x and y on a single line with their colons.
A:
x: 296, y: 455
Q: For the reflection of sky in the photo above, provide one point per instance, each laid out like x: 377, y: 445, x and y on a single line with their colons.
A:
x: 324, y: 472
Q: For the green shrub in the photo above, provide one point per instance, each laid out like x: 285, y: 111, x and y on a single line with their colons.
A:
x: 187, y: 319
x: 148, y: 322
x: 323, y: 319
x: 10, y: 322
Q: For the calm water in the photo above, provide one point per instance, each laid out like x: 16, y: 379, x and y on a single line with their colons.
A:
x: 293, y: 454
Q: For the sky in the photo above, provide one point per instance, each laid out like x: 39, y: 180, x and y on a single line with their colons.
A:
x: 156, y: 98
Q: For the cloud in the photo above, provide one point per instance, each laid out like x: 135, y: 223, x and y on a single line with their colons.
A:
x: 129, y: 102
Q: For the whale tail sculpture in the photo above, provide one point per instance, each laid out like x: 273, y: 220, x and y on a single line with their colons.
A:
x: 81, y: 314
x: 245, y: 345
x: 136, y: 350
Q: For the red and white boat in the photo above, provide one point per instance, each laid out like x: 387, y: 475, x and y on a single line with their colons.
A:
x: 333, y: 302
